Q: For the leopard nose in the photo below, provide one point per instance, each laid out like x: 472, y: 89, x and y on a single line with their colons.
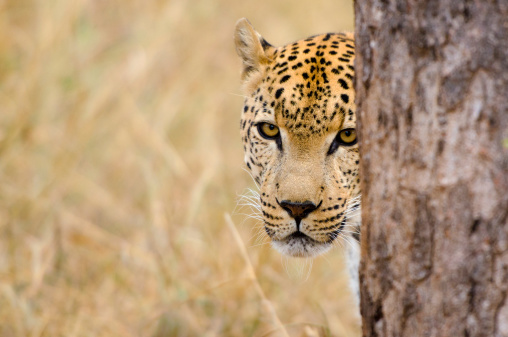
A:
x: 298, y: 210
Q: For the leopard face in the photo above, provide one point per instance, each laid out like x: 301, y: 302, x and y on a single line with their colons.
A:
x: 298, y: 127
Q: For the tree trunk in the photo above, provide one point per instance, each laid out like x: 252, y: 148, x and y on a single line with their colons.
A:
x: 432, y: 98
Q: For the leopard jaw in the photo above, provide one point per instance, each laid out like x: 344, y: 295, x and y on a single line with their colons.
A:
x: 300, y: 245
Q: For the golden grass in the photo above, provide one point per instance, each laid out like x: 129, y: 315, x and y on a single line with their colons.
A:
x: 120, y: 154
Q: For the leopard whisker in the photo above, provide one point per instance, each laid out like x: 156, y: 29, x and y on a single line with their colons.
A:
x: 250, y: 174
x: 344, y: 238
x: 239, y: 95
x: 253, y: 206
x: 259, y: 236
x: 353, y: 212
x: 259, y: 244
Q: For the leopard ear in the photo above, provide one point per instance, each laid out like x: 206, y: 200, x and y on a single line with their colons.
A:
x: 252, y: 48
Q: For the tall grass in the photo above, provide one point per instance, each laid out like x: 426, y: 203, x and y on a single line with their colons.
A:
x: 120, y: 154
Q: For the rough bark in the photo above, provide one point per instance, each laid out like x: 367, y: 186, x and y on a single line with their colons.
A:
x: 432, y: 98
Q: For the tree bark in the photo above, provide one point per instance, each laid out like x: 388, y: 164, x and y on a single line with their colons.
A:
x: 432, y: 101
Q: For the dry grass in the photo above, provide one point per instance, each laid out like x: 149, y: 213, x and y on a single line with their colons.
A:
x: 120, y: 154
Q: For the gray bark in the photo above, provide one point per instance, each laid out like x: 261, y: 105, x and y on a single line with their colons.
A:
x: 432, y: 100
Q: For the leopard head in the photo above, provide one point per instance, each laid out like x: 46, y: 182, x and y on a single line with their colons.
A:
x: 298, y: 127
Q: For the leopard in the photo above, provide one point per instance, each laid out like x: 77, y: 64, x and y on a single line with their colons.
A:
x: 298, y: 128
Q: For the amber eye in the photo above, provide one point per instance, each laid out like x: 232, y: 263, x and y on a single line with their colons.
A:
x: 348, y: 136
x: 268, y: 130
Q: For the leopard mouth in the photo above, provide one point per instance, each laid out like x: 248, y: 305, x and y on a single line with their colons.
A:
x: 299, y: 244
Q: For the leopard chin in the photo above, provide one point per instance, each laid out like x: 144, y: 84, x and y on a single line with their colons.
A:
x: 300, y: 245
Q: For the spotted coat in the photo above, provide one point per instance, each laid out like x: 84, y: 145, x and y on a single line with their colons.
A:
x: 298, y: 129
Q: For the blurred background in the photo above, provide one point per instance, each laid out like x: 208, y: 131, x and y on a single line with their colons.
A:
x: 120, y: 156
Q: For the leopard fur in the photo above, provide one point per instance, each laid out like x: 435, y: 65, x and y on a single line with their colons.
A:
x: 299, y: 104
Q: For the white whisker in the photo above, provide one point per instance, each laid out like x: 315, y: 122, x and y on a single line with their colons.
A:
x: 259, y: 244
x: 255, y: 182
x: 240, y: 95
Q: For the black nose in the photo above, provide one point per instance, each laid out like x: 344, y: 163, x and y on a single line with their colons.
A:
x: 298, y: 210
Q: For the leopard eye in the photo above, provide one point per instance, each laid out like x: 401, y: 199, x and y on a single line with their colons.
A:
x: 348, y: 136
x: 268, y: 130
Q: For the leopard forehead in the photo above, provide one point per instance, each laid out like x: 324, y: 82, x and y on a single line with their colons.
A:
x: 308, y: 86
